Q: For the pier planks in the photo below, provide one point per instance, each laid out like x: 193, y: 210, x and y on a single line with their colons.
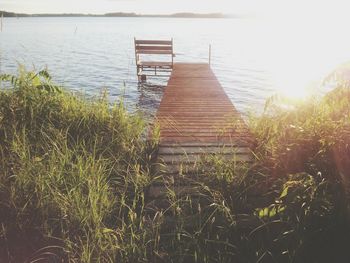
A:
x: 196, y: 118
x: 196, y: 109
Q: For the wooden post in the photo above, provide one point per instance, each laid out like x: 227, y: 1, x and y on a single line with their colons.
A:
x: 172, y: 53
x: 209, y: 54
x: 2, y: 17
x: 136, y: 58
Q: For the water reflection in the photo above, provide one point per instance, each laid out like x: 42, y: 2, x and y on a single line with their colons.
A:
x: 150, y: 95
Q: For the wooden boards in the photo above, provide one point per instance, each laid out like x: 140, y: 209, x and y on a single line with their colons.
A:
x: 195, y: 108
x: 196, y: 120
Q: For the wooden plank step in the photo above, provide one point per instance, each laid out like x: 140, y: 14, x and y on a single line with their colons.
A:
x: 199, y: 150
x: 194, y: 158
x: 202, y: 139
x: 189, y: 168
x: 233, y: 143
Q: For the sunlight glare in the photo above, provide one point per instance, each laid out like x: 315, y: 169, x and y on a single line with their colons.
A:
x: 305, y: 51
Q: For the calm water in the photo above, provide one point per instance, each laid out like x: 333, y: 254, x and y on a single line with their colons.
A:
x: 253, y: 59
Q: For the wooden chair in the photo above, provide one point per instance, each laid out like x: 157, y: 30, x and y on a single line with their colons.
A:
x: 161, y: 68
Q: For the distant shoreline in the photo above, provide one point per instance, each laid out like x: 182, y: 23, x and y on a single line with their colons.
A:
x: 122, y: 14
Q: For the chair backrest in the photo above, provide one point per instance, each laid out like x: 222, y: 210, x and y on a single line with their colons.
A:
x: 154, y: 47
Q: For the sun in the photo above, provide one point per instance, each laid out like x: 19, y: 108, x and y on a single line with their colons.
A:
x: 295, y: 92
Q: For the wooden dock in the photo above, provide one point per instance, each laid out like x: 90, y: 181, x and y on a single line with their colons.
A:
x: 196, y: 116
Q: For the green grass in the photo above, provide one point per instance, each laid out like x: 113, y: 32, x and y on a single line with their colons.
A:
x: 75, y: 174
x: 72, y: 169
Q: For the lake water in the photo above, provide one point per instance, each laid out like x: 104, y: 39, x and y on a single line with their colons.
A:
x: 252, y: 58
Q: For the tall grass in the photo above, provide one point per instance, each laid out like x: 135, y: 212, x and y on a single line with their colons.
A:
x: 306, y: 154
x: 75, y: 173
x: 72, y: 172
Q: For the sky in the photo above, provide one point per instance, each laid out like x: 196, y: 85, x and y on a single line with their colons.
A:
x: 320, y: 8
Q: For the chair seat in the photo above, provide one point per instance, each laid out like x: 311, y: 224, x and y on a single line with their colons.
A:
x: 160, y: 64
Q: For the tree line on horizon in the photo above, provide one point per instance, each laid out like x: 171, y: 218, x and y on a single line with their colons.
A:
x: 119, y: 14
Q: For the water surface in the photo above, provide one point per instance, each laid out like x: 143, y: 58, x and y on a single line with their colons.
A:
x: 252, y: 58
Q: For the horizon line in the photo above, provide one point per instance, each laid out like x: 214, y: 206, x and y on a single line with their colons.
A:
x: 129, y: 14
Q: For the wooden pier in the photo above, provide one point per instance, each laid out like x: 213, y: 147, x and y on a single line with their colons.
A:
x: 196, y: 116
